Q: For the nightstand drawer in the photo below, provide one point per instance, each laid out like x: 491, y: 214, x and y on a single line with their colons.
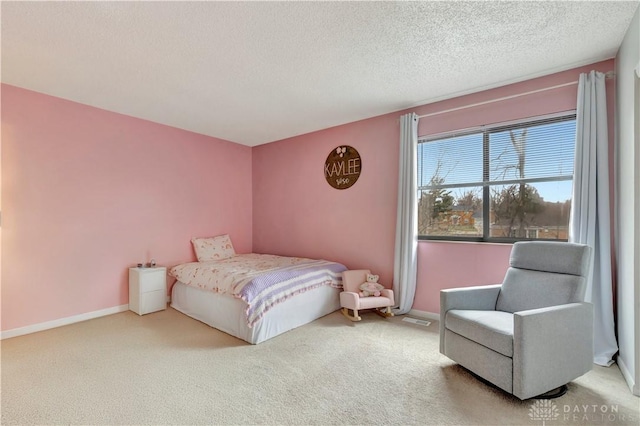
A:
x: 148, y: 279
x: 153, y: 301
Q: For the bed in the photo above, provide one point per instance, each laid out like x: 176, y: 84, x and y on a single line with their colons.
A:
x: 255, y: 297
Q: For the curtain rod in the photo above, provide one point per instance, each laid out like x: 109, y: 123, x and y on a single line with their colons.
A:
x: 608, y: 75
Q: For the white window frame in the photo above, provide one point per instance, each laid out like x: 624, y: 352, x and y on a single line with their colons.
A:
x: 486, y: 183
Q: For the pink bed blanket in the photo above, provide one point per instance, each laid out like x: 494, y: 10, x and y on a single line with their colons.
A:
x: 261, y: 280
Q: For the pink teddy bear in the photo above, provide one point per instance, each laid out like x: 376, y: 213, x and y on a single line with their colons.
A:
x: 371, y: 287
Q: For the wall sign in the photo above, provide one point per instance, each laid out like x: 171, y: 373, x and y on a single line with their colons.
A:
x: 343, y: 166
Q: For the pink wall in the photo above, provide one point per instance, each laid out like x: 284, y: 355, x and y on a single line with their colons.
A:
x: 296, y: 212
x: 456, y: 264
x: 87, y: 193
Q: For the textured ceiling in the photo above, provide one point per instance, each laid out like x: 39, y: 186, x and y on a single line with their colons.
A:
x: 256, y: 72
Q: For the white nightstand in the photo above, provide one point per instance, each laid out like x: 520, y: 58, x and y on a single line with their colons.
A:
x: 147, y: 289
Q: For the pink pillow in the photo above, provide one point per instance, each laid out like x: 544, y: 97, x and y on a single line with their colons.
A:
x: 214, y: 248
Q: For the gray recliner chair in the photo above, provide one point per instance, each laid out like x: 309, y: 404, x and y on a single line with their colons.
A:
x: 531, y: 334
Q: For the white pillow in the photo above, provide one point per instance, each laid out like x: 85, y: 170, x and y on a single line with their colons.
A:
x: 214, y: 248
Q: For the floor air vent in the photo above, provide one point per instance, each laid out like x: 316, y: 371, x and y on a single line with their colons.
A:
x: 416, y: 321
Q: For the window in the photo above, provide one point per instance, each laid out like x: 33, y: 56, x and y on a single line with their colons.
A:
x: 503, y: 182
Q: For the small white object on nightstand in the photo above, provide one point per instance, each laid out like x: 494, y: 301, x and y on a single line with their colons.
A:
x: 147, y: 290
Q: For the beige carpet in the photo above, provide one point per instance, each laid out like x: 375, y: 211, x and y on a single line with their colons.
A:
x: 165, y: 368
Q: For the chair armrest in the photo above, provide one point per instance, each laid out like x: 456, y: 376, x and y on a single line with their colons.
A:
x: 480, y: 298
x: 349, y: 300
x: 551, y: 347
x: 385, y: 292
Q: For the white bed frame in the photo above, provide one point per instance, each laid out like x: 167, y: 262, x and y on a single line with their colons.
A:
x: 227, y: 313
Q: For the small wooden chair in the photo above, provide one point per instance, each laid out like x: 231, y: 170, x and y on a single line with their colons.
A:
x: 350, y: 297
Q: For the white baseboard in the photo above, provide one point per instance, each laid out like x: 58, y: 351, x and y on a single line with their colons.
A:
x: 424, y: 314
x: 34, y: 328
x: 628, y: 377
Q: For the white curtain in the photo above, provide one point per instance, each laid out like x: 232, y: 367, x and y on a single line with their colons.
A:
x: 590, y: 221
x: 405, y: 262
